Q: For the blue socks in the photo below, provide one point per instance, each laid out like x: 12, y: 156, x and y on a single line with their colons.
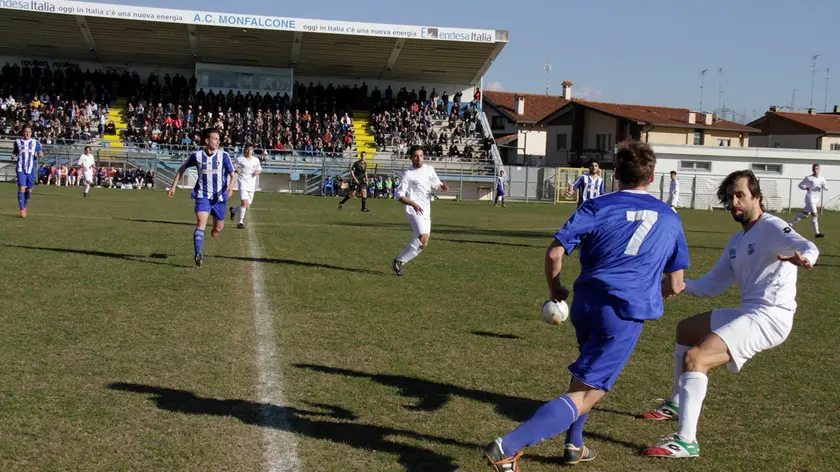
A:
x: 575, y: 433
x: 22, y: 200
x: 26, y: 196
x: 198, y: 238
x: 550, y: 420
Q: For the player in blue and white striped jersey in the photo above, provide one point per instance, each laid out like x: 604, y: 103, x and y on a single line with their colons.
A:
x: 214, y: 185
x: 589, y: 185
x: 26, y: 152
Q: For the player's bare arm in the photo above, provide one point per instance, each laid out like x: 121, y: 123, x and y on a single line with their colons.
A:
x: 673, y: 283
x: 407, y: 202
x: 232, y: 182
x: 553, y: 266
x: 178, y: 176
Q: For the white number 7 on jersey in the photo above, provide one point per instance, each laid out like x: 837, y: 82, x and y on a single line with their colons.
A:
x: 648, y: 218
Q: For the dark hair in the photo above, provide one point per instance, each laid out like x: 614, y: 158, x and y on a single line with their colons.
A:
x: 752, y: 183
x: 249, y: 145
x: 673, y: 172
x: 205, y: 135
x: 88, y: 147
x: 27, y: 126
x: 594, y: 161
x: 416, y: 148
x: 634, y: 163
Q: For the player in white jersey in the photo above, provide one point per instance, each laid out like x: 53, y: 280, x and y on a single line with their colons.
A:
x: 248, y: 168
x: 813, y: 186
x: 589, y: 185
x: 762, y: 260
x: 86, y: 164
x: 415, y: 192
x: 674, y: 191
x: 26, y: 153
x: 213, y: 186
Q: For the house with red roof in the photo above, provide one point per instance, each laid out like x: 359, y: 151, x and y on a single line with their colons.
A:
x: 811, y: 130
x: 570, y: 131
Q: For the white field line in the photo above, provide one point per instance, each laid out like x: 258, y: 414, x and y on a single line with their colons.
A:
x: 280, y: 446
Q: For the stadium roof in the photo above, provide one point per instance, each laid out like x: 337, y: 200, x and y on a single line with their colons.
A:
x: 120, y: 34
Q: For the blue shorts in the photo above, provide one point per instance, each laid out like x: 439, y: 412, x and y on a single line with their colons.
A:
x: 605, y: 341
x: 216, y: 208
x: 25, y: 180
x: 500, y: 191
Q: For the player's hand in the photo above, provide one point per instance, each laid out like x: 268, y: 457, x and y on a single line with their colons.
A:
x: 798, y: 260
x: 560, y: 292
x: 417, y: 208
x: 667, y: 289
x: 230, y: 192
x: 444, y: 187
x: 172, y: 191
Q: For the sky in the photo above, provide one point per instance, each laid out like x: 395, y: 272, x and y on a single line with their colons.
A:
x: 645, y: 52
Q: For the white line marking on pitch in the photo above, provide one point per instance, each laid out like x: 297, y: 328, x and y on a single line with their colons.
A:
x: 280, y: 446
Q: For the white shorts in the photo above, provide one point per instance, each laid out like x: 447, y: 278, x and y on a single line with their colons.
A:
x: 810, y: 207
x: 674, y: 202
x: 748, y: 330
x: 88, y: 177
x: 420, y: 224
x: 247, y: 195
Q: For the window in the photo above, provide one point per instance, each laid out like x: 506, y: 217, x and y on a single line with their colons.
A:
x: 702, y: 166
x: 562, y: 141
x: 497, y: 122
x: 835, y: 147
x: 603, y: 142
x: 766, y: 168
x: 725, y: 142
x: 698, y: 137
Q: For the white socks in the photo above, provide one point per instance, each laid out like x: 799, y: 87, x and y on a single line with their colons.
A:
x: 87, y: 188
x: 411, y: 251
x: 798, y: 217
x: 816, y: 224
x: 679, y: 359
x: 241, y: 211
x: 692, y: 393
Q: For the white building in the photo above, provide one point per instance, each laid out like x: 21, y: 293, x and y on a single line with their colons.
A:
x: 701, y: 169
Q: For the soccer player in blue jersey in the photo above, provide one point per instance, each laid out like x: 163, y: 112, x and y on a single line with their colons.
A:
x: 628, y: 240
x: 214, y: 185
x: 26, y: 152
x: 589, y: 185
x: 501, y: 183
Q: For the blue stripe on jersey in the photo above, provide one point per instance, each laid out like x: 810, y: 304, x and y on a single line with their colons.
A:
x: 27, y: 153
x: 590, y: 187
x: 627, y: 240
x: 215, y: 167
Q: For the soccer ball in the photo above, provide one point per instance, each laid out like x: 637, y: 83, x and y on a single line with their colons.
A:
x: 555, y: 312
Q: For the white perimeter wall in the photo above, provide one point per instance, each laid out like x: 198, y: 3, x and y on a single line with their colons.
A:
x: 780, y: 189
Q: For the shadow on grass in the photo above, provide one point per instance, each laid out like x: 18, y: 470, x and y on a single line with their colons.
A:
x: 491, y: 243
x: 487, y: 334
x: 292, y: 262
x: 313, y: 423
x: 432, y: 396
x: 108, y: 255
x: 459, y: 229
x: 159, y: 222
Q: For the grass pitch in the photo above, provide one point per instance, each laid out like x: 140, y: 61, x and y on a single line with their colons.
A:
x: 118, y: 354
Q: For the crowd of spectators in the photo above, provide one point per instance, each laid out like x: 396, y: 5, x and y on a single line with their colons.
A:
x: 61, y: 105
x: 67, y: 104
x: 410, y: 120
x: 317, y: 120
x: 63, y: 175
